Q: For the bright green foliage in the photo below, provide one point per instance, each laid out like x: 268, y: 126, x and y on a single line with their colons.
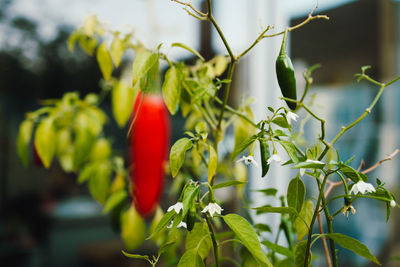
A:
x: 171, y: 89
x: 23, y: 140
x: 45, y: 141
x: 122, y: 99
x: 177, y: 154
x: 104, y: 60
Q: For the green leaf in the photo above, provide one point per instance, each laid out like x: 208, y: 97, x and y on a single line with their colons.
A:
x: 164, y: 248
x: 190, y: 193
x: 291, y: 150
x: 295, y: 193
x: 23, y: 140
x: 101, y: 150
x: 212, y: 163
x: 135, y: 256
x: 303, y: 221
x: 165, y: 220
x: 246, y: 234
x: 171, y: 89
x: 99, y: 184
x: 191, y: 258
x: 104, y: 60
x: 89, y: 25
x: 261, y: 227
x: 281, y: 122
x: 122, y: 98
x: 177, y: 154
x: 83, y: 144
x: 188, y: 49
x: 310, y: 164
x: 268, y: 191
x: 282, y: 210
x: 45, y: 141
x: 199, y: 239
x: 117, y: 50
x: 144, y: 61
x: 353, y: 245
x: 114, y: 200
x: 227, y: 184
x: 242, y: 146
x: 278, y: 249
x: 352, y: 174
x: 87, y: 172
x: 300, y: 253
x: 221, y: 63
x: 133, y: 229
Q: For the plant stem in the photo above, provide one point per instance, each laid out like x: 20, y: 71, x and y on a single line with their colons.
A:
x: 316, y: 211
x: 214, y: 241
x: 330, y: 231
x: 234, y: 111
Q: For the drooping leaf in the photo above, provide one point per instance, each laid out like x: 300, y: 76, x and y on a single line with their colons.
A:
x: 177, y: 154
x: 282, y: 210
x: 45, y: 141
x: 291, y: 150
x: 171, y: 89
x: 221, y: 63
x: 278, y: 249
x: 133, y: 229
x: 144, y: 61
x: 353, y: 245
x: 303, y: 221
x: 227, y: 184
x: 212, y: 163
x: 99, y: 184
x: 114, y: 200
x: 165, y: 220
x: 135, y: 256
x: 191, y: 258
x: 200, y: 233
x: 104, y: 60
x: 300, y: 254
x: 296, y: 193
x: 23, y: 140
x: 117, y: 50
x: 188, y: 49
x: 122, y: 98
x: 242, y: 146
x: 246, y: 234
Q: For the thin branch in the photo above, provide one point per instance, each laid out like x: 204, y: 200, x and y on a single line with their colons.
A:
x: 201, y: 14
x: 326, y: 250
x: 259, y: 38
x: 390, y: 157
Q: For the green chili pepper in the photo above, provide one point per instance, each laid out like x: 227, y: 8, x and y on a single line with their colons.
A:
x: 191, y: 216
x: 264, y: 152
x: 285, y: 74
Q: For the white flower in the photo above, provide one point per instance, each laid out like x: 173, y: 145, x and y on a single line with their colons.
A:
x: 180, y: 225
x: 393, y: 203
x: 347, y: 209
x: 274, y: 157
x: 302, y: 171
x: 248, y: 160
x: 177, y: 207
x: 291, y: 116
x: 362, y: 187
x: 212, y: 208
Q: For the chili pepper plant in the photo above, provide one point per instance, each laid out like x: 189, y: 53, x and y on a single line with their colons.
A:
x: 197, y: 230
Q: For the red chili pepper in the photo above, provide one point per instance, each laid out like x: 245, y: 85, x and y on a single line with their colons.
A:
x: 149, y: 146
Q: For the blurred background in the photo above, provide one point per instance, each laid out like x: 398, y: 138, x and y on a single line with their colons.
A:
x: 46, y: 219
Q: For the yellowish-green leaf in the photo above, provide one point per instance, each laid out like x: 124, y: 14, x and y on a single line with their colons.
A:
x: 122, y: 98
x: 303, y: 221
x: 45, y: 141
x: 23, y: 140
x: 72, y: 40
x: 295, y: 193
x: 99, y: 183
x: 199, y: 239
x: 221, y: 63
x: 89, y: 25
x: 212, y: 163
x: 300, y: 254
x: 177, y: 154
x: 133, y: 229
x: 101, y: 150
x: 188, y: 49
x: 246, y: 234
x: 114, y: 200
x: 353, y: 245
x: 117, y: 50
x: 144, y: 61
x: 171, y: 89
x: 191, y: 258
x: 104, y: 60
